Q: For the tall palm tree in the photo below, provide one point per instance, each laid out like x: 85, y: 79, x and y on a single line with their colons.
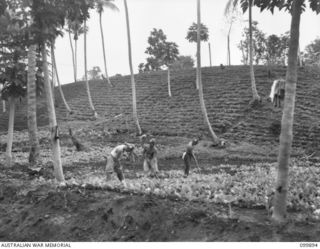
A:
x: 192, y: 36
x: 231, y: 4
x: 55, y: 69
x: 75, y: 28
x: 133, y: 84
x: 202, y: 104
x: 86, y: 72
x: 100, y: 4
x: 12, y: 104
x: 280, y: 201
x: 73, y: 57
x: 32, y: 106
x: 56, y: 151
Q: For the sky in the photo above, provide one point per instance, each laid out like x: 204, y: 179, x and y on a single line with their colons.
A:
x: 174, y: 17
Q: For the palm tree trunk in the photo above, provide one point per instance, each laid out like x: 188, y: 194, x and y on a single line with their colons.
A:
x: 86, y: 73
x: 229, y: 53
x: 210, y: 54
x: 169, y: 83
x: 73, y: 59
x: 255, y: 95
x: 76, y: 58
x: 12, y: 105
x: 202, y: 104
x: 133, y: 84
x: 32, y: 106
x: 55, y: 141
x: 197, y: 78
x: 103, y: 49
x: 4, y: 106
x: 58, y: 80
x: 279, y: 213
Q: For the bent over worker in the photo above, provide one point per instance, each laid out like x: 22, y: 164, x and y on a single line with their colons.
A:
x: 150, y: 162
x: 113, y: 160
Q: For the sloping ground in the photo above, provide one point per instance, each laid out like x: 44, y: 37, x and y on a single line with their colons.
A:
x: 227, y: 95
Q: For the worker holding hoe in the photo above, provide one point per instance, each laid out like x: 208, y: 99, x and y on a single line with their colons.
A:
x: 189, y: 155
x: 113, y: 160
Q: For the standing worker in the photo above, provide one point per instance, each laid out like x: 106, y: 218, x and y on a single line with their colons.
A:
x: 188, y: 155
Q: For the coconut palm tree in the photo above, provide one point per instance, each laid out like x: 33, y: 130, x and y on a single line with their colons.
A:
x: 231, y: 5
x: 86, y: 73
x: 73, y: 56
x: 100, y: 4
x: 58, y: 80
x: 133, y: 84
x: 202, y: 104
x: 74, y: 27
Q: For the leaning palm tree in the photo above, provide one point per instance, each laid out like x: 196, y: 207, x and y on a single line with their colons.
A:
x: 54, y: 68
x: 133, y: 84
x: 100, y: 4
x: 75, y: 28
x: 231, y: 4
x: 203, y: 106
x: 86, y: 72
x: 73, y: 56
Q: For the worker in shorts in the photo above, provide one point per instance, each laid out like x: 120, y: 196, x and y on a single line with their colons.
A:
x: 113, y: 160
x: 188, y: 155
x: 150, y: 162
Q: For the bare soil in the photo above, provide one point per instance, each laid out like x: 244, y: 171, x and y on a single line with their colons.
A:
x: 45, y: 213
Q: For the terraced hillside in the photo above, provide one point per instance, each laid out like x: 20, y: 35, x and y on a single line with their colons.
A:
x: 227, y: 95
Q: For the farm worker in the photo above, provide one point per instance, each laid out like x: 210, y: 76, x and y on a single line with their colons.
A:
x: 150, y: 162
x: 113, y: 160
x: 188, y: 155
x: 277, y: 92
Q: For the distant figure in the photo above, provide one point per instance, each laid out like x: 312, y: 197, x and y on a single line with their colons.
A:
x: 189, y: 155
x: 221, y: 66
x: 113, y: 160
x: 150, y: 162
x: 277, y: 92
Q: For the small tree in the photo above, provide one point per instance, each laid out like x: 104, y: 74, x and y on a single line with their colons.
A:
x: 171, y: 53
x: 232, y: 14
x: 182, y: 63
x: 13, y: 74
x: 258, y: 42
x: 162, y: 53
x: 247, y: 5
x: 94, y: 73
x: 312, y: 53
x: 192, y: 37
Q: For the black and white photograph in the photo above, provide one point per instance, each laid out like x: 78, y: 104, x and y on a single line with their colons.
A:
x: 159, y: 121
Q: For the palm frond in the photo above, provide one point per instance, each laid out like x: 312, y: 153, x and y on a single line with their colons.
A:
x: 108, y: 4
x: 230, y: 6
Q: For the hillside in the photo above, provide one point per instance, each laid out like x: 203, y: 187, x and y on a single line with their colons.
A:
x: 227, y: 95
